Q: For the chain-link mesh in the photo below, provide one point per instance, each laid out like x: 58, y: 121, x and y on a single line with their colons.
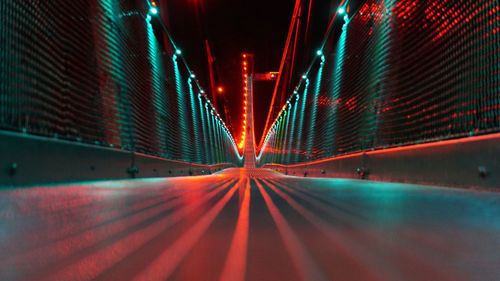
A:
x: 92, y: 71
x: 400, y: 72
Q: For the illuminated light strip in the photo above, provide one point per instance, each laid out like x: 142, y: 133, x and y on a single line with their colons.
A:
x: 217, y: 139
x: 312, y: 119
x: 192, y: 98
x: 158, y: 90
x: 291, y: 140
x: 236, y: 261
x: 213, y: 133
x: 165, y: 264
x: 301, y: 259
x: 402, y: 148
x: 208, y: 117
x: 338, y: 70
x: 204, y: 131
x: 241, y: 143
x: 284, y: 144
x: 181, y: 105
x: 298, y: 147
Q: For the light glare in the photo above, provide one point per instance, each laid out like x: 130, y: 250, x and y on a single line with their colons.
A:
x: 153, y: 10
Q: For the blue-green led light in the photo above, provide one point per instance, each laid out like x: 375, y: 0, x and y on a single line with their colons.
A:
x: 153, y: 11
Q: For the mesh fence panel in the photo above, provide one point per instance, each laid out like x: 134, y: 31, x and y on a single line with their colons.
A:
x: 92, y: 71
x: 401, y: 72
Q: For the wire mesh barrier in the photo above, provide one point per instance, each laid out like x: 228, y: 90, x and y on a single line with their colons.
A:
x: 400, y: 72
x: 96, y: 72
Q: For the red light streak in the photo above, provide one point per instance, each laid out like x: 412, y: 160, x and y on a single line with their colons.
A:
x: 405, y: 257
x: 235, y: 266
x: 300, y: 257
x: 354, y: 255
x: 129, y: 237
x: 164, y: 265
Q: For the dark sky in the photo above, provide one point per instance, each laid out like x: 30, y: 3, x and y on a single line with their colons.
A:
x: 232, y: 27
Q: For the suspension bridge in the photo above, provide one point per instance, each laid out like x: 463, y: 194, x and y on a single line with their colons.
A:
x: 378, y: 161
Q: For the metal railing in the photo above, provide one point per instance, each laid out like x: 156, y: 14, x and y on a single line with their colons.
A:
x: 94, y: 72
x: 398, y: 72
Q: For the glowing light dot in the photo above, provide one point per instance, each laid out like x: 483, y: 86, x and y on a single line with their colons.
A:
x: 341, y: 10
x: 319, y: 52
x: 153, y: 10
x: 179, y: 52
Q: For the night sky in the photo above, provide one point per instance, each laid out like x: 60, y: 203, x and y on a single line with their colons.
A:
x: 231, y: 27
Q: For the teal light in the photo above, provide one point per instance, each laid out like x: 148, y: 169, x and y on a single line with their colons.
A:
x: 292, y: 136
x: 312, y: 127
x: 284, y: 140
x: 319, y: 53
x: 160, y: 102
x: 336, y: 90
x: 193, y: 75
x: 341, y: 10
x: 300, y: 128
x: 178, y: 52
x: 205, y: 157
x: 195, y: 119
x: 153, y: 10
x: 183, y: 124
x: 378, y: 79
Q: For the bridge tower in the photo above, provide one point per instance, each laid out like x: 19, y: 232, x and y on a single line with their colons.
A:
x: 249, y: 144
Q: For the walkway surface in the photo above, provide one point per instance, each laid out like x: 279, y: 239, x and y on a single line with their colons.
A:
x: 248, y: 224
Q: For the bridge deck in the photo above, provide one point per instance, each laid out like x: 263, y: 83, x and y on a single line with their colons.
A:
x: 248, y: 224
